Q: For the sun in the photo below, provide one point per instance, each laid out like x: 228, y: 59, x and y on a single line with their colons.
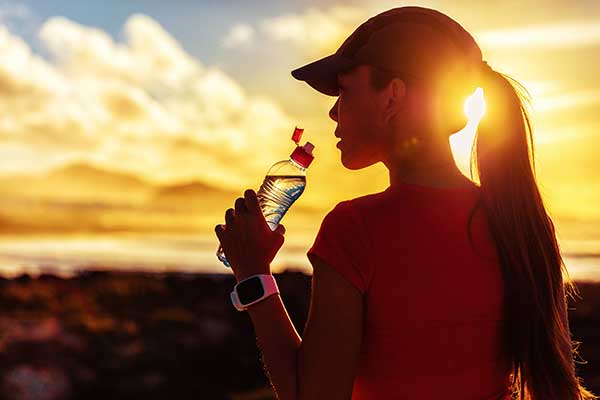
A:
x: 475, y: 106
x: 462, y: 142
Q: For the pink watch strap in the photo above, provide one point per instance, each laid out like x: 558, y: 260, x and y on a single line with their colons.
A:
x: 269, y: 285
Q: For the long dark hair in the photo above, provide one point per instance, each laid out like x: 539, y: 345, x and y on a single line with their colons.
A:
x: 537, y: 333
x: 537, y: 337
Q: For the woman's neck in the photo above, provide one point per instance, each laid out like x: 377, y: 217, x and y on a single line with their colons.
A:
x: 435, y: 171
x: 445, y: 180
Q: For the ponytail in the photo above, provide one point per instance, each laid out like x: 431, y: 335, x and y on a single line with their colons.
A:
x: 537, y: 335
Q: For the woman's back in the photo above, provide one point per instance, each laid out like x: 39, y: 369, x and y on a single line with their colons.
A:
x: 433, y: 319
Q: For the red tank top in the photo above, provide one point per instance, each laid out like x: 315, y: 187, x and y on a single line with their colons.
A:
x: 433, y: 318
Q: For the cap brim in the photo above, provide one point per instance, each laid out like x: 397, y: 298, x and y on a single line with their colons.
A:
x: 322, y: 74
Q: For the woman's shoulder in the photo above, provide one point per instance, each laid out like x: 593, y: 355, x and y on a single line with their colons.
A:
x: 366, y: 201
x: 358, y: 209
x: 356, y: 205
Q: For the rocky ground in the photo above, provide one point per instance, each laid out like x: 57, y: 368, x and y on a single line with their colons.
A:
x: 108, y: 335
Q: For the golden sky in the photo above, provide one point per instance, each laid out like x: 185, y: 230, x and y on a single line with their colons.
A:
x: 188, y: 93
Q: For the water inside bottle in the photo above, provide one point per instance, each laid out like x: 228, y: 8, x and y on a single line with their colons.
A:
x: 275, y: 196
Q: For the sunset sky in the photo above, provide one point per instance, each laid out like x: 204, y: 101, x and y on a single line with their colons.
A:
x: 180, y: 90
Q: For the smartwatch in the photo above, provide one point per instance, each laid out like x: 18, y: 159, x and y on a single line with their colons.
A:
x: 252, y: 290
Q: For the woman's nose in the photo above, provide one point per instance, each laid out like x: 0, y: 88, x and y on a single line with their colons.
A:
x: 333, y: 114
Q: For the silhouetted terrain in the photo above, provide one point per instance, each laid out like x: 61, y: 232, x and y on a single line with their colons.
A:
x: 112, y: 335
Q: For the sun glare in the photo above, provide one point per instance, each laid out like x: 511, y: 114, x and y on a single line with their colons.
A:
x: 462, y: 142
x: 475, y: 106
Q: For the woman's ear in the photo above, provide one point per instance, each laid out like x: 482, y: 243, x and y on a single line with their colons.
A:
x: 394, y: 99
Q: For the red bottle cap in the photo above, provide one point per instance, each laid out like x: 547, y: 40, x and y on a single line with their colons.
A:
x: 297, y: 134
x: 303, y: 154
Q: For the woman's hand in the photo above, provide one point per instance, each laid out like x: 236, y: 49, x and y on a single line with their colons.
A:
x: 248, y: 242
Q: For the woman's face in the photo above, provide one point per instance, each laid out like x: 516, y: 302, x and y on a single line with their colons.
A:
x: 391, y: 125
x: 358, y: 113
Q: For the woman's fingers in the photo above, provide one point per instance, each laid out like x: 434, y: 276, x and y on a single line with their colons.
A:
x: 252, y: 203
x: 240, y: 206
x: 248, y: 203
x: 229, y: 216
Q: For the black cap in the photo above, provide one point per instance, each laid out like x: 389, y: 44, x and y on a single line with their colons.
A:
x: 414, y: 41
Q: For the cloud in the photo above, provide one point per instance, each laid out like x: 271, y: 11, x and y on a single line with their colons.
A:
x: 316, y: 31
x: 239, y: 35
x: 319, y: 30
x: 85, y: 51
x: 569, y: 134
x: 144, y: 106
x: 551, y: 96
x: 542, y: 88
x: 567, y: 100
x: 571, y: 34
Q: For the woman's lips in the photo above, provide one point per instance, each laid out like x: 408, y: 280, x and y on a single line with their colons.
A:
x: 338, y: 144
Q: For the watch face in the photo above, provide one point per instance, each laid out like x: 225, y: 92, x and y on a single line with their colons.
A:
x: 250, y: 290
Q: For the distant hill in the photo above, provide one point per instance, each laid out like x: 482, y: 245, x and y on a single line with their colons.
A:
x: 81, y: 173
x: 81, y: 196
x: 193, y: 195
x: 78, y: 182
x: 189, y: 189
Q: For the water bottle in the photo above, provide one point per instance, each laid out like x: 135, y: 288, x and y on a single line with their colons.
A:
x: 284, y: 183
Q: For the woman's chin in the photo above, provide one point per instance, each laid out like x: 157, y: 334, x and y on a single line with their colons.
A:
x: 353, y: 163
x: 347, y: 161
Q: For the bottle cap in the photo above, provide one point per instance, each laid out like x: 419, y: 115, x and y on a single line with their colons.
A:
x: 303, y: 154
x: 297, y: 135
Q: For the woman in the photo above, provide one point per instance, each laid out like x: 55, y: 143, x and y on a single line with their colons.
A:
x: 436, y: 287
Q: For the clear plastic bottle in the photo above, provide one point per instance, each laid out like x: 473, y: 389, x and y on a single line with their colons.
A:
x: 284, y: 183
